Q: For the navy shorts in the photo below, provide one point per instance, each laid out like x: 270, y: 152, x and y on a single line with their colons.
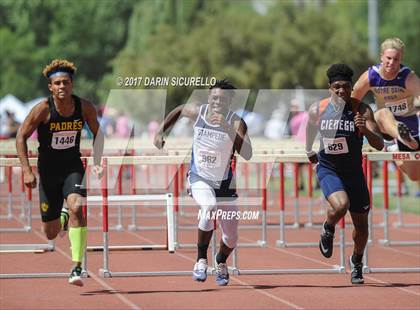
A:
x: 55, y: 186
x: 353, y: 184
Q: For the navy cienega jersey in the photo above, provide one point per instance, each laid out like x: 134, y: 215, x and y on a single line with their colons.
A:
x: 340, y: 141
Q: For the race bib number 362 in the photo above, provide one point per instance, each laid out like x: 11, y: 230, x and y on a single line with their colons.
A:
x: 62, y: 140
x: 335, y: 146
x: 209, y: 159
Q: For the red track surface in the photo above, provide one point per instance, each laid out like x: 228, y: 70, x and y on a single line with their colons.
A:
x: 317, y: 291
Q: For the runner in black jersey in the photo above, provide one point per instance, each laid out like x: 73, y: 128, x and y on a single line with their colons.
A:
x: 342, y: 122
x: 59, y: 120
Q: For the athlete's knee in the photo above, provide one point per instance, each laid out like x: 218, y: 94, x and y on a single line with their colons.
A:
x: 341, y: 207
x: 230, y: 240
x: 75, y: 203
x: 206, y: 217
x: 50, y: 232
x: 382, y: 114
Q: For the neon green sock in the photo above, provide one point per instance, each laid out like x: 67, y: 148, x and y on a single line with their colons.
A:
x: 78, y: 237
x: 63, y: 219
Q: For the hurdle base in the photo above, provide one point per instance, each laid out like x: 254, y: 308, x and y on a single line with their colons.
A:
x: 143, y: 247
x: 384, y: 242
x: 84, y: 274
x: 105, y: 273
x: 262, y: 243
x: 280, y: 244
x: 234, y: 271
x: 395, y: 270
x: 312, y: 225
x: 403, y: 225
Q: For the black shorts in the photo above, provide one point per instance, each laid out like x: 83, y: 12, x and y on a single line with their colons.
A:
x: 55, y: 186
x: 224, y: 190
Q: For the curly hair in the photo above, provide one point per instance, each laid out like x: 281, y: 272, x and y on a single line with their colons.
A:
x: 339, y: 72
x: 59, y: 65
x: 226, y: 85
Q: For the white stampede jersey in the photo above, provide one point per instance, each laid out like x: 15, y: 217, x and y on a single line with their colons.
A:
x: 212, y: 148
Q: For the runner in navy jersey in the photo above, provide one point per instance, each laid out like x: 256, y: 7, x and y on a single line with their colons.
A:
x: 342, y: 122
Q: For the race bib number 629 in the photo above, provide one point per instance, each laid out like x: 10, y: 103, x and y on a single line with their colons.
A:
x: 335, y: 146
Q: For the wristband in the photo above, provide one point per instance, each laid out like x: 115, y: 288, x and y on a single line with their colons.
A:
x: 309, y: 154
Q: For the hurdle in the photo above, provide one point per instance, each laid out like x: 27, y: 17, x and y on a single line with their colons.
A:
x: 399, y: 211
x: 9, y: 215
x: 376, y: 156
x: 263, y: 226
x: 386, y: 157
x: 234, y: 269
x: 104, y: 199
x: 35, y: 248
x: 10, y: 248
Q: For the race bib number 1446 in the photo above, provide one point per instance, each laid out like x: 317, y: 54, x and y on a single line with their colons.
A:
x: 62, y: 140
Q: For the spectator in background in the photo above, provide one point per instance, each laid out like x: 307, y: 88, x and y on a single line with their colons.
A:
x: 11, y: 125
x: 276, y: 126
x: 123, y: 126
x: 106, y: 119
x: 254, y: 121
x: 297, y: 129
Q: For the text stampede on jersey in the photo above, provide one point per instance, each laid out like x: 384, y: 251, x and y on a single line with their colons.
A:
x: 228, y: 215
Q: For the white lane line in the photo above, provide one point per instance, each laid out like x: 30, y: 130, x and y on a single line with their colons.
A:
x: 95, y: 277
x: 321, y: 262
x: 389, y: 283
x: 248, y: 285
x: 402, y: 252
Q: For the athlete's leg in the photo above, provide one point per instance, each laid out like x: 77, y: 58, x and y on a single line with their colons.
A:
x: 360, y: 231
x: 51, y: 201
x: 51, y: 228
x: 334, y: 190
x: 78, y: 229
x: 360, y: 238
x: 338, y: 206
x: 397, y: 130
x: 410, y: 168
x: 229, y: 229
x: 205, y: 197
x: 75, y: 197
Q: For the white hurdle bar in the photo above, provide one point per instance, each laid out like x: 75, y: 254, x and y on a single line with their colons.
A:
x: 104, y: 271
x: 386, y: 241
x: 386, y: 157
x: 168, y: 198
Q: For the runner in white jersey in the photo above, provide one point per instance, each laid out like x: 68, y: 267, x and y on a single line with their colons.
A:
x: 394, y: 87
x: 218, y: 133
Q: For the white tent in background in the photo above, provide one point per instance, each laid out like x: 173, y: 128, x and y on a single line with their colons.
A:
x: 30, y: 104
x: 14, y: 105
